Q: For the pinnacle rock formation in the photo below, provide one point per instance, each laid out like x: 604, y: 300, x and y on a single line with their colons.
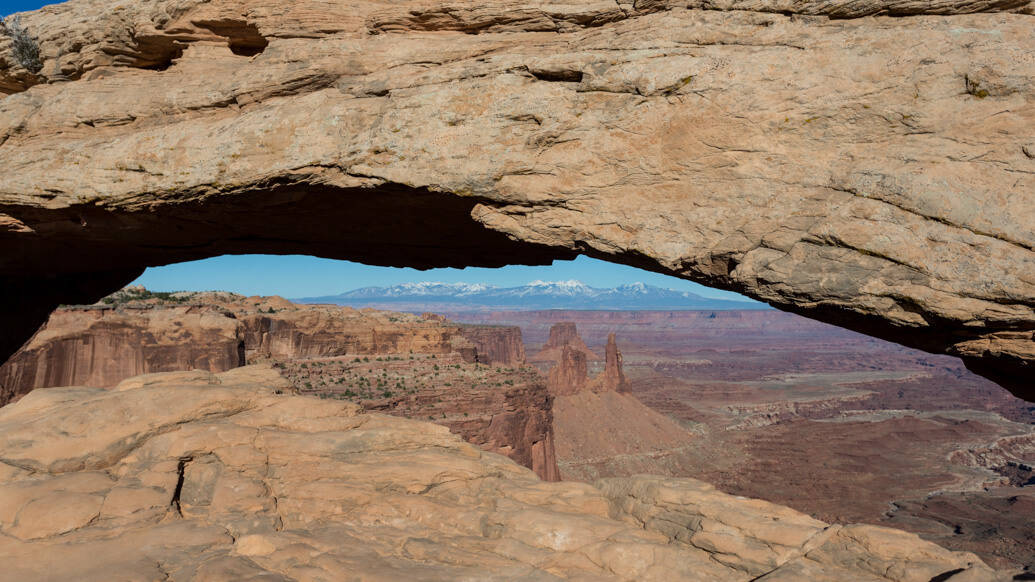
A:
x: 195, y: 476
x: 599, y: 428
x: 563, y: 333
x: 570, y: 375
x: 877, y: 173
x: 613, y: 377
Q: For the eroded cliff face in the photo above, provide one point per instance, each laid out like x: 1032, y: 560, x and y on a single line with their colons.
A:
x: 570, y: 371
x: 101, y: 346
x: 564, y: 333
x: 496, y: 344
x: 786, y: 150
x: 224, y: 477
x: 502, y: 410
x: 507, y: 412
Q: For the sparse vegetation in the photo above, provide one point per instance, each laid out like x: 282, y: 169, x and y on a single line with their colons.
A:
x: 974, y: 88
x: 25, y: 48
x: 139, y: 293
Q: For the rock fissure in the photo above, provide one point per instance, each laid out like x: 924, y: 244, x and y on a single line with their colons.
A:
x: 181, y: 467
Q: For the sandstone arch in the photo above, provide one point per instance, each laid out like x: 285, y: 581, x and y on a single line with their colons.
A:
x: 787, y: 152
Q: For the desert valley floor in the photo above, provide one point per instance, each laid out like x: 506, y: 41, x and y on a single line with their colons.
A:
x: 835, y: 424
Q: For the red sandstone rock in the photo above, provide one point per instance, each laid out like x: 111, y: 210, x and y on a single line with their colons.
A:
x: 563, y: 334
x: 569, y: 376
x: 613, y: 378
x: 143, y: 333
x: 100, y: 346
x: 496, y: 345
x: 503, y: 410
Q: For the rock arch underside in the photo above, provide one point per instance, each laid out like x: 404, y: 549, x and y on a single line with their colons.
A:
x: 869, y: 163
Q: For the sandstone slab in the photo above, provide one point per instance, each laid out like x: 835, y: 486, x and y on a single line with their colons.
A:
x: 284, y: 487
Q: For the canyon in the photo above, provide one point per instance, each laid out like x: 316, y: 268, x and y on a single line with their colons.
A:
x: 791, y: 151
x: 834, y: 424
x: 135, y: 332
x: 230, y: 477
x: 864, y: 163
x: 844, y: 428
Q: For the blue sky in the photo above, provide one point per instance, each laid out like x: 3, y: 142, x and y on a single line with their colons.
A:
x: 302, y: 276
x: 12, y: 6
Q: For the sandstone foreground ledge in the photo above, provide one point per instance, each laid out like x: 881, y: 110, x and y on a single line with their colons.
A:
x: 874, y: 172
x: 194, y: 476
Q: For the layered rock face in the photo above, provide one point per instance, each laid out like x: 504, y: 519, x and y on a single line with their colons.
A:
x: 787, y: 150
x: 569, y: 375
x: 564, y: 333
x: 103, y: 344
x: 496, y: 344
x: 218, y: 477
x: 613, y: 377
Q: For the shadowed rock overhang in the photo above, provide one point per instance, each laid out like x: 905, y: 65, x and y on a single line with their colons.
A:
x: 875, y: 173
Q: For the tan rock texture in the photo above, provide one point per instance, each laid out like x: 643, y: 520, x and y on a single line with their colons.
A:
x: 216, y: 477
x: 101, y: 345
x: 780, y: 148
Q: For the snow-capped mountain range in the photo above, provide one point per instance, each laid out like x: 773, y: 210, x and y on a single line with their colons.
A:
x: 431, y: 295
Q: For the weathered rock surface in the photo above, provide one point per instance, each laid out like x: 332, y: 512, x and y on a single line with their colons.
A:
x: 783, y: 149
x: 613, y: 377
x: 194, y: 476
x: 502, y: 410
x: 570, y: 373
x: 496, y: 344
x: 101, y: 345
x: 564, y: 333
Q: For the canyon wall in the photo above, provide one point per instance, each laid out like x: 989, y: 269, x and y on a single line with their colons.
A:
x: 100, y: 346
x: 790, y: 151
x: 564, y: 333
x: 511, y: 415
x: 103, y: 344
x: 496, y: 344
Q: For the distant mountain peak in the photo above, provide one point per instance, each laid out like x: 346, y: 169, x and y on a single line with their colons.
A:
x: 538, y: 294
